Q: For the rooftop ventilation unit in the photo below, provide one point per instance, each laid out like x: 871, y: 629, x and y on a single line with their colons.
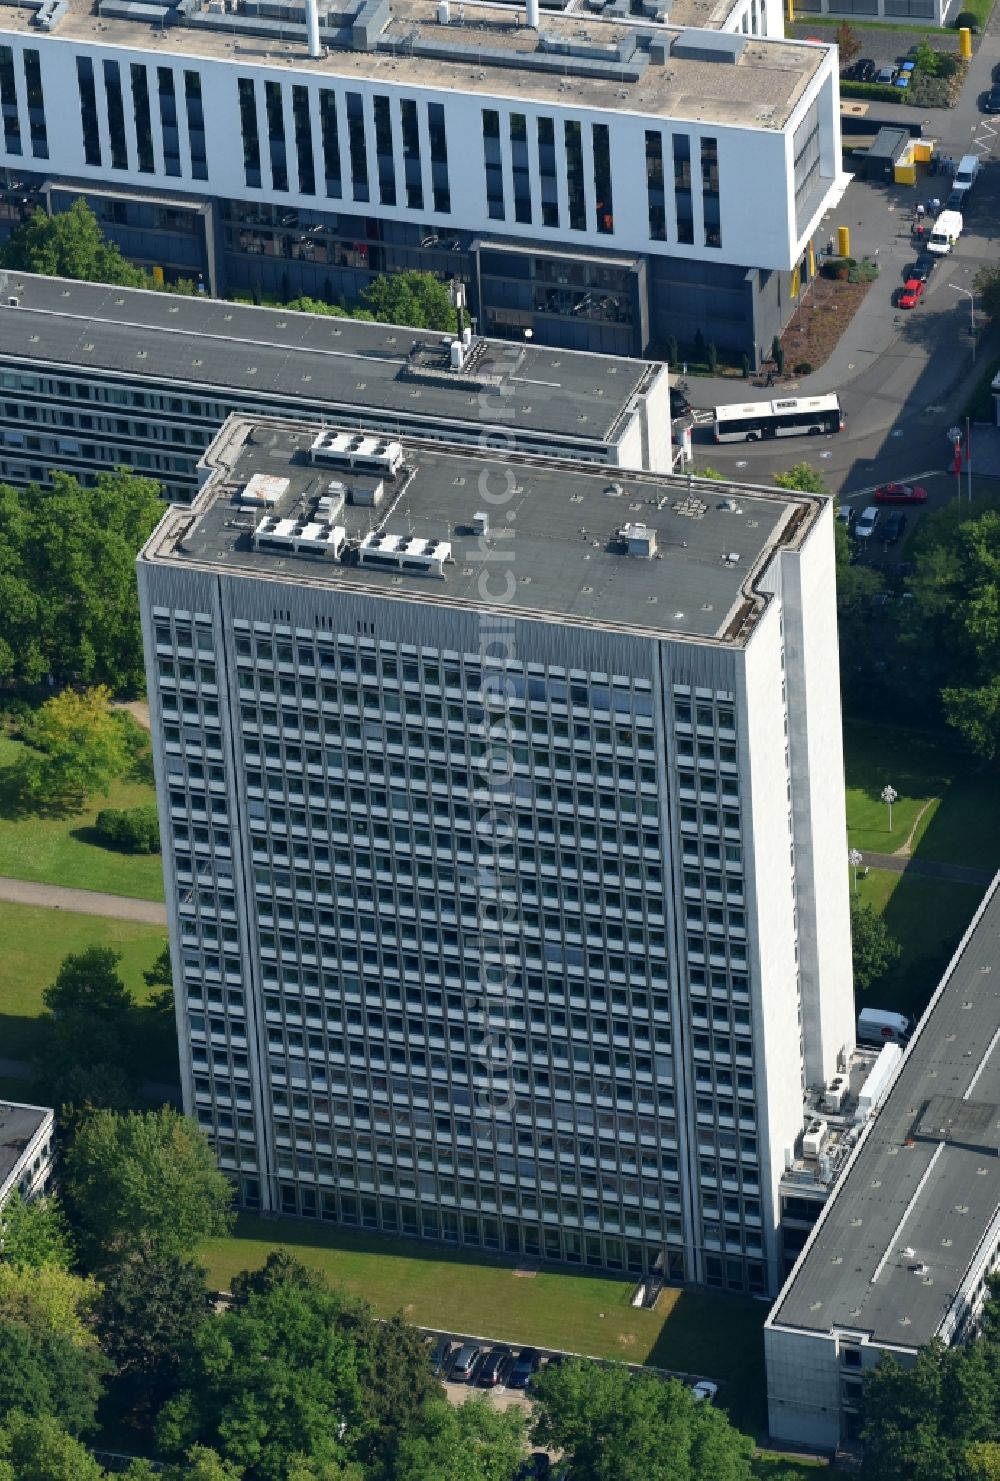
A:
x: 709, y: 46
x: 640, y: 541
x: 358, y: 452
x: 835, y: 1093
x: 264, y: 488
x: 329, y: 505
x: 812, y: 1138
x: 424, y: 556
x: 303, y: 536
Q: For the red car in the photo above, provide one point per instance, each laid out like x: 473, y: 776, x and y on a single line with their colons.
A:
x: 900, y: 493
x: 912, y: 292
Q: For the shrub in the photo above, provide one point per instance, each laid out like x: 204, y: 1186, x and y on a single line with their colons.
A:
x: 877, y: 91
x: 966, y: 18
x: 133, y: 830
x: 804, y: 367
x: 930, y: 92
x: 863, y: 272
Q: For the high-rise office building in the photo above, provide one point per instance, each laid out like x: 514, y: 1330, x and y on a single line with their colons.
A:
x: 503, y: 828
x: 604, y: 179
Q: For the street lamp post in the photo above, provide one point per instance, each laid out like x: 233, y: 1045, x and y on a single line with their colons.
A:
x: 972, y: 313
x: 889, y: 795
x: 854, y: 858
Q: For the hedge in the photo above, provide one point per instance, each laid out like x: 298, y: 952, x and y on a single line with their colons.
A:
x: 876, y: 91
x: 133, y: 830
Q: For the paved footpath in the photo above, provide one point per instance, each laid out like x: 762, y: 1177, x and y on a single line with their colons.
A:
x: 928, y: 868
x: 83, y: 902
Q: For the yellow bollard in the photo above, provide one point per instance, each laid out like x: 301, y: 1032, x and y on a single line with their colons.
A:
x: 965, y: 43
x: 791, y: 12
x: 158, y: 275
x: 811, y: 260
x: 843, y: 241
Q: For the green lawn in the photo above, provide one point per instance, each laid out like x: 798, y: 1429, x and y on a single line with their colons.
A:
x: 928, y: 918
x: 64, y: 850
x: 33, y: 942
x: 956, y: 799
x: 771, y: 1465
x: 690, y: 1331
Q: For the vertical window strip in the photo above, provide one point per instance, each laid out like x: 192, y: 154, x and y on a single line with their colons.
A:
x: 603, y: 198
x: 275, y: 112
x: 195, y: 110
x: 88, y: 110
x: 573, y: 136
x: 682, y: 188
x: 357, y: 147
x: 36, y: 105
x: 8, y: 102
x: 710, y: 192
x: 493, y: 164
x: 303, y: 140
x: 143, y: 122
x: 250, y: 131
x: 655, y: 198
x: 547, y: 172
x: 439, y: 157
x: 116, y: 115
x: 331, y: 143
x: 520, y: 167
x: 383, y: 151
x: 168, y: 121
x: 413, y: 178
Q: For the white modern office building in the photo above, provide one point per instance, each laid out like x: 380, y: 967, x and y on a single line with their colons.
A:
x: 901, y: 1253
x: 27, y: 1150
x: 599, y: 179
x: 503, y: 828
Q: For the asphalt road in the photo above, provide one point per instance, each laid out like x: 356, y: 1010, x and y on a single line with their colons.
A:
x: 902, y: 376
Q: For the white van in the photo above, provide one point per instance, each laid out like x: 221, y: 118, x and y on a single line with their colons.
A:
x: 945, y: 232
x: 968, y: 169
x: 876, y: 1026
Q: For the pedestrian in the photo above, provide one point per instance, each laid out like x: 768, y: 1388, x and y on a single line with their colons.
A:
x: 770, y: 378
x: 935, y: 205
x: 920, y: 211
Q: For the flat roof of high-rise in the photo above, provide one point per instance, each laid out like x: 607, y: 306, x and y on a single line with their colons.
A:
x: 18, y: 1124
x: 217, y: 347
x: 578, y: 59
x: 568, y: 529
x: 904, y: 1224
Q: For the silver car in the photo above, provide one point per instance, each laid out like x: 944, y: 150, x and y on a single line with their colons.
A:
x: 864, y: 525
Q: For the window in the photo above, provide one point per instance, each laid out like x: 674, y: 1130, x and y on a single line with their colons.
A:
x: 116, y: 115
x: 36, y: 105
x: 807, y: 161
x: 411, y: 155
x: 602, y: 179
x: 655, y: 199
x: 250, y: 132
x: 383, y: 152
x: 143, y: 124
x: 274, y: 108
x: 682, y: 188
x: 8, y: 98
x: 519, y: 162
x: 493, y: 162
x: 357, y: 147
x: 88, y: 112
x: 547, y: 172
x: 439, y: 157
x: 710, y: 192
x: 168, y: 120
x: 303, y: 141
x: 196, y: 125
x: 331, y: 142
x: 572, y: 135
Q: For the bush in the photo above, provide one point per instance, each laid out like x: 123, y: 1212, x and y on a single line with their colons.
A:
x: 133, y: 830
x: 967, y: 18
x: 876, y: 91
x: 804, y: 367
x: 865, y: 271
x: 930, y: 92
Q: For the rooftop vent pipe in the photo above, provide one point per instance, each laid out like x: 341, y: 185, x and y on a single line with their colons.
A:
x: 531, y: 8
x: 312, y: 25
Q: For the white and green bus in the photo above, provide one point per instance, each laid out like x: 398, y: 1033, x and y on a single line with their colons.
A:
x: 755, y: 420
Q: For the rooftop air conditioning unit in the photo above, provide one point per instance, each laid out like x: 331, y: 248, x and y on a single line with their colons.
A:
x: 812, y: 1138
x: 836, y: 1093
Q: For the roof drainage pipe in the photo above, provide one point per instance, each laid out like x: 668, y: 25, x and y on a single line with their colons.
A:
x: 312, y: 24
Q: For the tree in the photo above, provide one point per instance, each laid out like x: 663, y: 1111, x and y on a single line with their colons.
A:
x: 49, y: 1300
x: 396, y: 1383
x: 79, y: 748
x: 418, y: 299
x: 202, y: 1464
x: 148, y: 1311
x: 848, y: 43
x: 69, y: 604
x: 44, y: 1374
x: 802, y: 478
x: 986, y: 284
x: 470, y: 1442
x: 273, y: 1377
x: 874, y: 948
x: 143, y: 1180
x: 39, y: 1449
x: 35, y: 1233
x: 921, y: 1421
x: 616, y: 1426
x: 87, y: 1030
x: 69, y: 245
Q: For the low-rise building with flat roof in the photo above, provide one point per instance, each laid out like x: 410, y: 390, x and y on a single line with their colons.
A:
x: 27, y: 1149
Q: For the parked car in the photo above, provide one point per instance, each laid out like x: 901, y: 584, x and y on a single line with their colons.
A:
x: 956, y: 202
x: 893, y: 527
x: 525, y: 1366
x: 923, y: 267
x: 991, y: 101
x: 900, y: 493
x: 863, y: 70
x: 864, y: 525
x: 679, y: 404
x: 441, y: 1355
x: 495, y: 1368
x: 464, y: 1362
x: 845, y: 516
x: 912, y: 292
x: 705, y: 1390
x: 886, y: 76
